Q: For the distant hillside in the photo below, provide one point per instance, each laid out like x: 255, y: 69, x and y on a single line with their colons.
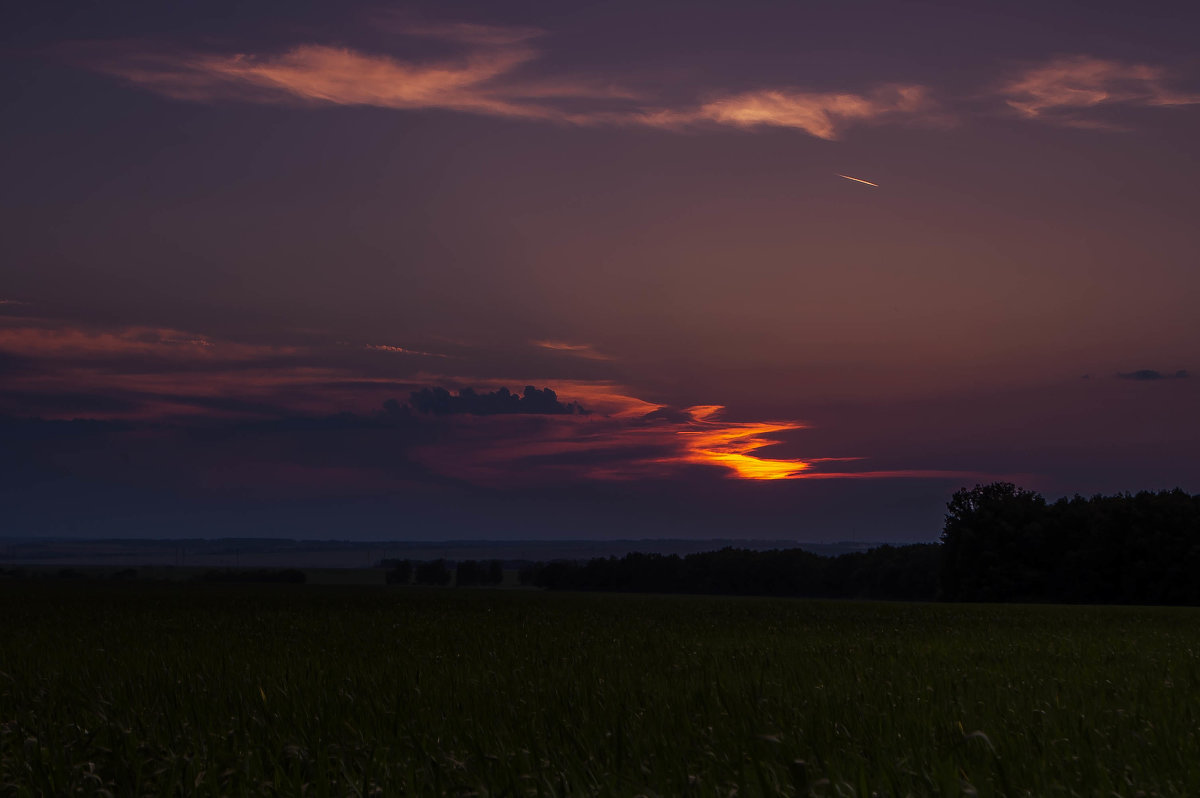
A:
x: 286, y: 553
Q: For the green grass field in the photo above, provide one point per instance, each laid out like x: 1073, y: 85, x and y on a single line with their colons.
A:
x: 145, y: 689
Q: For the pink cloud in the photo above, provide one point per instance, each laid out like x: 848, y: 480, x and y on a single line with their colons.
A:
x: 823, y: 115
x: 494, y: 76
x: 317, y: 74
x: 1061, y: 88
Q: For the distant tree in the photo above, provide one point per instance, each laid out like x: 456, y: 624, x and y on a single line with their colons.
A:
x: 1002, y: 543
x: 993, y: 547
x: 400, y: 572
x: 495, y: 573
x: 529, y: 574
x: 905, y: 572
x: 469, y: 573
x: 433, y: 572
x: 281, y: 576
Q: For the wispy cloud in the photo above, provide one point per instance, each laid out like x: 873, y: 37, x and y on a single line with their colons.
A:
x: 709, y: 441
x: 72, y: 341
x: 823, y: 115
x: 585, y: 351
x: 1063, y: 89
x: 579, y: 430
x: 141, y: 372
x: 322, y: 75
x: 495, y: 76
x: 661, y: 444
x: 400, y: 350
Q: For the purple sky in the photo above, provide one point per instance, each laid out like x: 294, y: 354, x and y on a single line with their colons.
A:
x: 243, y: 248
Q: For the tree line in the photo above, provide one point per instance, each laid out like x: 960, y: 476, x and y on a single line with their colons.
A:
x: 999, y: 543
x: 1003, y: 543
x: 465, y: 573
x: 887, y: 572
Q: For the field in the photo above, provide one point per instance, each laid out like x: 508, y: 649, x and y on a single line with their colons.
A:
x: 173, y: 689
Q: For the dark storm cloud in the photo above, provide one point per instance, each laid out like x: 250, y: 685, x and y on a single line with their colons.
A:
x: 440, y: 402
x: 1151, y: 375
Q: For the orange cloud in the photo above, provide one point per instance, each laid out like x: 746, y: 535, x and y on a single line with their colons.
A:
x: 708, y: 441
x: 634, y: 445
x: 1074, y: 83
x: 169, y: 375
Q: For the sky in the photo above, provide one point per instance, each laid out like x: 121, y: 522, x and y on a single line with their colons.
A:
x: 591, y: 270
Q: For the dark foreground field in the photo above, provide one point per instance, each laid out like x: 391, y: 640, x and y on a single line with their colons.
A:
x: 214, y: 690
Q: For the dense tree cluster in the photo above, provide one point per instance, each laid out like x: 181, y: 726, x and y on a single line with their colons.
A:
x: 433, y: 572
x: 999, y: 543
x: 1002, y: 543
x: 399, y: 572
x: 283, y: 575
x: 900, y: 572
x: 470, y: 573
x: 465, y: 573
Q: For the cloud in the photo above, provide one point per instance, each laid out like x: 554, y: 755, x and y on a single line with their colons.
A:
x: 322, y: 75
x: 585, y: 351
x: 663, y: 444
x: 1061, y: 89
x: 400, y: 350
x: 58, y: 341
x: 494, y: 76
x: 823, y: 115
x: 440, y: 402
x: 282, y: 402
x: 141, y: 372
x: 1150, y: 375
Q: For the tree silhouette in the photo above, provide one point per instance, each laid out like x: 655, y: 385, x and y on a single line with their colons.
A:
x: 434, y: 572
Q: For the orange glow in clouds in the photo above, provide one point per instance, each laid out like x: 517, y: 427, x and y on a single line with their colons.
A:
x: 709, y: 442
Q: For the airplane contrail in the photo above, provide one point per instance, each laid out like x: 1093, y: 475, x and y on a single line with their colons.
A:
x: 856, y: 180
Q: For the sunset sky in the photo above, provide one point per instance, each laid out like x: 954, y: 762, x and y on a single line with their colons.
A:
x: 286, y: 269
